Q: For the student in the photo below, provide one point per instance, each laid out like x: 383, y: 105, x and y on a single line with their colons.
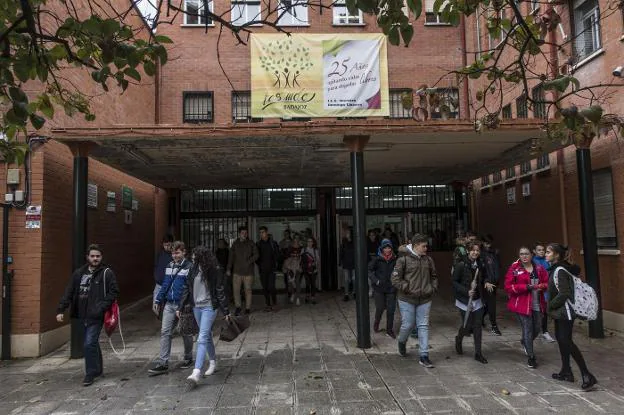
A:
x: 559, y: 293
x: 539, y: 251
x: 205, y: 292
x: 525, y: 283
x: 380, y: 275
x: 91, y: 290
x: 469, y: 285
x: 347, y: 263
x: 241, y: 266
x: 491, y: 262
x: 310, y: 264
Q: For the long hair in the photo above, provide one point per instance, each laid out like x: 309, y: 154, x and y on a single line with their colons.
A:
x: 205, y: 259
x: 562, y: 251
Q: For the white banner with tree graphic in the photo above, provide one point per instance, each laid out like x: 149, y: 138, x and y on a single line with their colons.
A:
x: 319, y: 75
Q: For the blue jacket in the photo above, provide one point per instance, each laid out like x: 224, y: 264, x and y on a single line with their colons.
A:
x: 160, y: 266
x: 542, y: 262
x: 173, y: 286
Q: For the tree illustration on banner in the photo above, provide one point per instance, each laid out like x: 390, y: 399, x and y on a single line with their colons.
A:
x: 286, y: 60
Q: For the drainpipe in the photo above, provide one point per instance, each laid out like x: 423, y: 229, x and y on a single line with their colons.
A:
x: 157, y: 94
x: 465, y: 114
x: 7, y: 278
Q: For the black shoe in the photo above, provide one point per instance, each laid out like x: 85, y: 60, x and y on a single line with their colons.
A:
x: 567, y: 377
x: 458, y: 345
x: 247, y: 311
x: 87, y: 381
x: 390, y: 333
x: 345, y: 298
x: 158, y: 370
x: 376, y: 326
x: 480, y: 358
x: 495, y: 331
x: 425, y: 362
x: 589, y: 381
x: 185, y: 364
x: 403, y: 349
x: 237, y: 312
x: 532, y: 363
x: 313, y: 301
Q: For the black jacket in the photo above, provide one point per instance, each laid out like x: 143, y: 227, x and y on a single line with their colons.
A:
x: 223, y: 254
x: 347, y: 254
x: 268, y: 255
x: 463, y: 274
x: 97, y: 302
x: 491, y: 262
x: 380, y: 274
x: 214, y: 281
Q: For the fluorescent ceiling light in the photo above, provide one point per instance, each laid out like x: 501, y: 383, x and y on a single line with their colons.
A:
x: 217, y: 190
x: 293, y: 189
x: 341, y: 148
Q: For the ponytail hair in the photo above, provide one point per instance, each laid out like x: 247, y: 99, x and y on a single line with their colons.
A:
x: 561, y: 250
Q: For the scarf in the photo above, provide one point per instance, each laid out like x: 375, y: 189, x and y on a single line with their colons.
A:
x: 387, y: 257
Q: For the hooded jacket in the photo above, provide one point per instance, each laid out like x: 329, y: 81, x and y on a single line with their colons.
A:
x: 214, y: 280
x: 173, y: 285
x: 347, y: 254
x: 414, y: 277
x: 463, y: 275
x: 558, y: 297
x: 380, y: 273
x: 520, y: 297
x: 97, y: 302
x: 243, y: 256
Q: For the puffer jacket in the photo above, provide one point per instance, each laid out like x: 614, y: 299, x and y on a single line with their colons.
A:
x: 516, y: 281
x: 380, y: 274
x: 415, y: 277
x: 463, y: 275
x: 173, y: 285
x: 558, y: 297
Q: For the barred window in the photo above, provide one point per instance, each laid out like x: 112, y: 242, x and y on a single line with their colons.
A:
x: 543, y: 161
x: 197, y: 107
x: 397, y: 110
x: 241, y: 107
x: 521, y: 107
x: 539, y: 102
x: 507, y: 112
x: 605, y: 212
x: 510, y: 172
x: 447, y: 102
x: 586, y: 28
x: 525, y: 167
x: 485, y: 180
x: 497, y: 177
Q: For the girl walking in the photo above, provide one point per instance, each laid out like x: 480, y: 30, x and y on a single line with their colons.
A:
x: 205, y: 292
x: 525, y: 283
x: 380, y: 275
x: 560, y: 292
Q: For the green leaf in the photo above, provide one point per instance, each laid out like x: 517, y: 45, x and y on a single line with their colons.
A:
x: 393, y: 36
x: 416, y: 7
x: 437, y: 4
x: 575, y: 82
x: 162, y: 39
x: 90, y: 117
x: 593, y: 113
x: 110, y: 27
x: 150, y: 68
x: 21, y: 69
x: 17, y: 94
x: 133, y: 73
x: 352, y: 6
x: 37, y: 121
x: 58, y: 52
x: 407, y: 33
x: 45, y: 106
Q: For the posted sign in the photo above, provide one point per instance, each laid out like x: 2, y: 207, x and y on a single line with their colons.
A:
x: 319, y: 75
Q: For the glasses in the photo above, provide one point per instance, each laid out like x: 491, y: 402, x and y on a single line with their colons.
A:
x: 525, y: 254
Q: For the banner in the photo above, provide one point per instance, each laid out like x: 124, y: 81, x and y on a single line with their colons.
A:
x: 319, y: 75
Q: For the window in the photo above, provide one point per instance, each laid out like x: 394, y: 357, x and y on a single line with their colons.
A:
x: 485, y: 180
x: 397, y: 110
x: 293, y: 13
x: 194, y: 12
x: 586, y: 28
x: 535, y: 4
x: 543, y: 161
x: 496, y: 41
x: 497, y: 177
x: 445, y: 103
x: 510, y: 172
x: 507, y: 112
x: 521, y: 107
x: 431, y: 17
x: 525, y: 167
x: 604, y: 206
x: 197, y: 107
x: 241, y: 107
x: 245, y: 11
x: 539, y: 102
x: 342, y: 16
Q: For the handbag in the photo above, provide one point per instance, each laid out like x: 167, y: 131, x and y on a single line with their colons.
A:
x: 234, y: 327
x: 187, y: 325
x: 112, y: 320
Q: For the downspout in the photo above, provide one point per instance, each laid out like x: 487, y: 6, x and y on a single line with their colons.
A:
x: 554, y: 73
x: 465, y: 114
x: 157, y: 94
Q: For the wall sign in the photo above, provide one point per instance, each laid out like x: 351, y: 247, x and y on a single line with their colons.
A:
x: 111, y: 202
x: 511, y: 195
x: 128, y: 217
x: 92, y: 195
x: 526, y: 189
x: 33, y: 217
x: 126, y: 197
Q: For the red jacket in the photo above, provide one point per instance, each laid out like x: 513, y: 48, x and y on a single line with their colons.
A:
x: 516, y: 281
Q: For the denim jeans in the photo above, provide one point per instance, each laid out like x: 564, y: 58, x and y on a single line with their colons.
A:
x: 156, y: 291
x: 412, y: 315
x: 169, y: 321
x: 531, y: 326
x: 92, y: 351
x: 349, y: 281
x: 205, y: 317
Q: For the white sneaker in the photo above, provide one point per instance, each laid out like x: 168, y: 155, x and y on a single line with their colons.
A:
x: 194, y: 378
x: 212, y: 367
x: 547, y: 337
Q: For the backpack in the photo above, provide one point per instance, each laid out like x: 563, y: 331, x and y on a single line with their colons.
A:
x: 308, y: 263
x: 585, y: 303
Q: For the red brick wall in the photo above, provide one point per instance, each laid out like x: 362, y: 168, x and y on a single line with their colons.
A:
x: 193, y: 64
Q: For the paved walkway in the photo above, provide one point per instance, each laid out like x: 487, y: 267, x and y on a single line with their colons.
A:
x: 304, y: 360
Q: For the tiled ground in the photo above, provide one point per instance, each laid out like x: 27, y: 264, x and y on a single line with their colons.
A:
x: 304, y: 360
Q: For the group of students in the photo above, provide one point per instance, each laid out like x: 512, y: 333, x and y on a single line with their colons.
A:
x: 538, y: 284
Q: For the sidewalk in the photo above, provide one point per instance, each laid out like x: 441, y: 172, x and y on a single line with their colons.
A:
x: 304, y: 360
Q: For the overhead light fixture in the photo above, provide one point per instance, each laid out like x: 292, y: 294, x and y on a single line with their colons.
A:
x: 292, y: 189
x: 217, y: 190
x: 136, y: 154
x: 341, y: 148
